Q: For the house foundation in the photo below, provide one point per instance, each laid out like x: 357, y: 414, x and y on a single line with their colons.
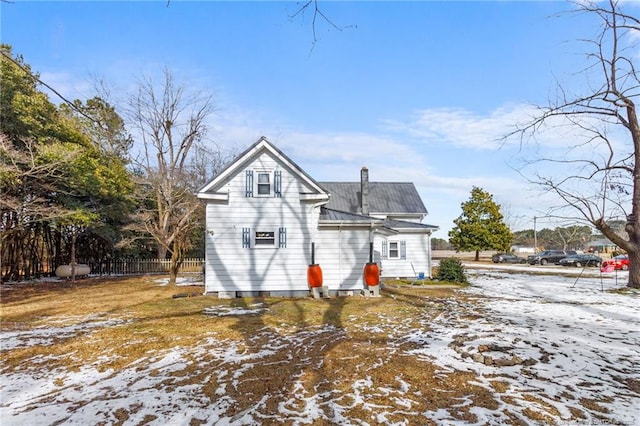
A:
x: 318, y: 292
x: 371, y: 291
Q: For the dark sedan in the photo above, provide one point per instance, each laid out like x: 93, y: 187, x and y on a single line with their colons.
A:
x: 507, y: 258
x: 580, y: 260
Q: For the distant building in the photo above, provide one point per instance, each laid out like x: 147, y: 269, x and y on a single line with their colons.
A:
x: 523, y: 250
x: 602, y: 245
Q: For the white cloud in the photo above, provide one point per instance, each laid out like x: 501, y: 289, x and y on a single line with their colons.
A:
x: 462, y: 128
x: 395, y: 154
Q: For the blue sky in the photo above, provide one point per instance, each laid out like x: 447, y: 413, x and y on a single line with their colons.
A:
x: 415, y: 91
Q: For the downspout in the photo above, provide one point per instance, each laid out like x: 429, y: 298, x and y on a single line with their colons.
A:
x: 317, y: 222
x: 371, y: 245
x: 371, y: 272
x: 314, y: 233
x: 372, y: 240
x: 370, y: 232
x: 340, y: 254
x: 429, y: 265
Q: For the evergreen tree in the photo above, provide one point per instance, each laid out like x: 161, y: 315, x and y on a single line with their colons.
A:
x: 56, y: 183
x: 480, y: 226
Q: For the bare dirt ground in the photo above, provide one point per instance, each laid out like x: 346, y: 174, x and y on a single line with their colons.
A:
x: 125, y: 351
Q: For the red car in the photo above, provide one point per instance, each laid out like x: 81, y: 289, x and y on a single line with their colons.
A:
x: 619, y: 262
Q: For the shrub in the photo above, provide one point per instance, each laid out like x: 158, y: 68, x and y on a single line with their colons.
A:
x: 451, y: 269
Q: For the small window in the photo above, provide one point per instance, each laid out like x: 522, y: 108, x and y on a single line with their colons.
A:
x: 394, y: 250
x: 265, y: 238
x: 264, y: 184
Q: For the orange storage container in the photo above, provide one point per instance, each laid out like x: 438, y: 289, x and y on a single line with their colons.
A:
x: 314, y: 275
x: 371, y: 274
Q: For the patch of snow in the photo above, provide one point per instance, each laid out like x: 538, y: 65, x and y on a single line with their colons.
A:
x: 573, y: 342
x: 224, y: 311
x: 585, y: 341
x: 49, y: 334
x: 195, y: 280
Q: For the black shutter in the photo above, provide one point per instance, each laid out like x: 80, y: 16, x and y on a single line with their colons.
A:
x: 277, y: 184
x: 384, y: 250
x: 248, y: 187
x: 282, y: 238
x: 246, y: 237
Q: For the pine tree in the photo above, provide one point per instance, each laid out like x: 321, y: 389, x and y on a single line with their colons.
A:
x: 480, y: 226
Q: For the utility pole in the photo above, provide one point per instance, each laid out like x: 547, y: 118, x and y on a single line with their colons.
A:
x: 535, y: 236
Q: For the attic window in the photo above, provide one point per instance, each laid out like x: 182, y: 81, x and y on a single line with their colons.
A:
x: 264, y: 183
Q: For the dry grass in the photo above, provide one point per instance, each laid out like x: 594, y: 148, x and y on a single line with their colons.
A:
x: 149, y: 320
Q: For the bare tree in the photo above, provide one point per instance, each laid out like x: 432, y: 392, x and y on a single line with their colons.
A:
x: 599, y: 174
x: 573, y: 237
x: 317, y: 14
x: 171, y: 125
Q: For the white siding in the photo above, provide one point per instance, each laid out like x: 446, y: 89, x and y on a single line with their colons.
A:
x: 342, y: 254
x: 417, y: 253
x: 231, y: 267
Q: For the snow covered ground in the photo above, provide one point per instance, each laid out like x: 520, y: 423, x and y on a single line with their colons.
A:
x: 587, y: 339
x: 533, y: 341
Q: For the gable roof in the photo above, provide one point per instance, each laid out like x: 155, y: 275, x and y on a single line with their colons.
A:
x: 260, y: 146
x: 341, y: 199
x: 384, y: 197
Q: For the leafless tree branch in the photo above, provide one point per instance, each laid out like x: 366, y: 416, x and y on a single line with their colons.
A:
x: 172, y: 125
x: 599, y: 174
x: 317, y: 15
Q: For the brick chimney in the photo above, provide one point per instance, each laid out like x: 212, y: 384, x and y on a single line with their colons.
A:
x: 364, y: 190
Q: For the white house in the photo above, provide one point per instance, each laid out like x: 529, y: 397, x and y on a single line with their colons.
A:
x: 263, y: 212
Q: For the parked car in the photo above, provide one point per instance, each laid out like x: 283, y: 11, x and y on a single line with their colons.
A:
x: 580, y: 260
x: 619, y: 262
x: 549, y: 256
x: 507, y: 258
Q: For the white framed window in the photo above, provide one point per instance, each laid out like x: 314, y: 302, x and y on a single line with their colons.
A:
x: 264, y: 238
x: 394, y: 250
x: 264, y: 184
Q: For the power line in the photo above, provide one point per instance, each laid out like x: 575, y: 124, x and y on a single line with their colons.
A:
x: 58, y: 94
